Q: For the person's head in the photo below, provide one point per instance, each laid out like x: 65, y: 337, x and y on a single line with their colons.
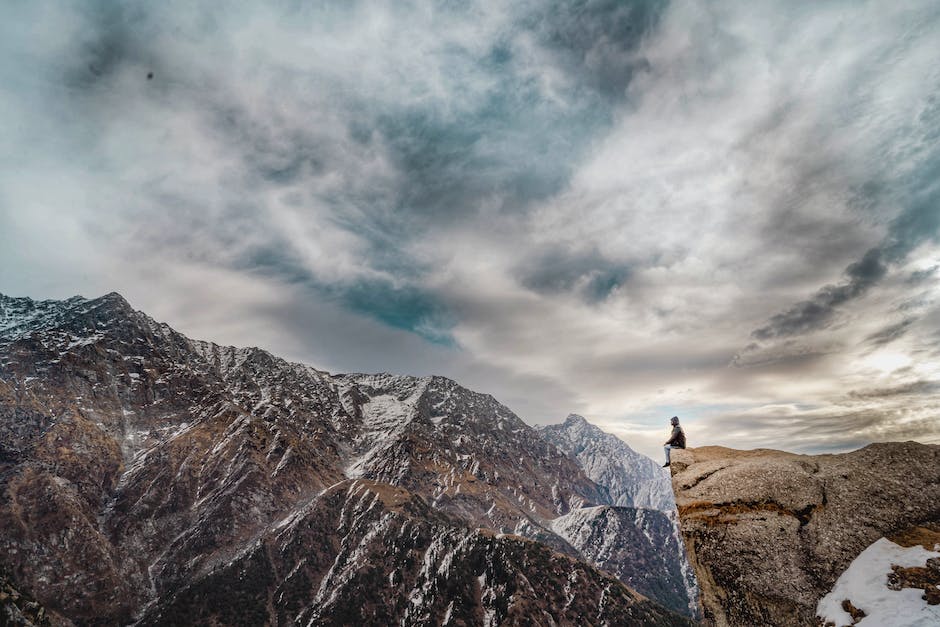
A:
x: 674, y: 421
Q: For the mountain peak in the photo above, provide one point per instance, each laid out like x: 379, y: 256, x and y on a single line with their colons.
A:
x: 112, y: 300
x: 114, y: 297
x: 634, y: 480
x: 575, y: 419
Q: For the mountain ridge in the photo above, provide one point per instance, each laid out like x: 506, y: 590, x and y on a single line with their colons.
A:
x: 149, y: 464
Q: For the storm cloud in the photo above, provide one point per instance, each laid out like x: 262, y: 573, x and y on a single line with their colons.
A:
x: 627, y: 210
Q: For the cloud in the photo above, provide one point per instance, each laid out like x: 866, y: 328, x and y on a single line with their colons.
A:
x: 891, y: 332
x: 818, y: 312
x: 586, y: 272
x: 580, y: 207
x: 321, y: 142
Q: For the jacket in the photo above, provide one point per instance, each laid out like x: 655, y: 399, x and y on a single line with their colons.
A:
x: 677, y: 438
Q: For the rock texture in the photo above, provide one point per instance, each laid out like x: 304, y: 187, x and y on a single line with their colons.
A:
x: 146, y: 477
x: 769, y: 532
x: 18, y: 609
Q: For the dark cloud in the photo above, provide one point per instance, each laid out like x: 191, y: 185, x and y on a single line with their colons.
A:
x: 818, y: 312
x: 891, y: 332
x: 914, y: 388
x: 107, y: 43
x: 596, y: 39
x: 587, y: 273
x: 921, y: 276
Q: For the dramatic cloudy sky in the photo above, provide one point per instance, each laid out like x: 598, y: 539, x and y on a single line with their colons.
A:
x: 728, y: 211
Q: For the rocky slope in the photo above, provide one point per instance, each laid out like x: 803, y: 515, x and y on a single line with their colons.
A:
x: 769, y: 532
x: 633, y: 479
x: 18, y: 609
x: 642, y: 487
x: 149, y: 477
x: 640, y: 546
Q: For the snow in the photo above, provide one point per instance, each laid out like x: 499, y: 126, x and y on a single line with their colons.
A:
x: 84, y: 341
x: 384, y: 417
x: 864, y: 584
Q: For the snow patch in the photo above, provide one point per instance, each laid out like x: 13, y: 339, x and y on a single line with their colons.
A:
x: 864, y: 584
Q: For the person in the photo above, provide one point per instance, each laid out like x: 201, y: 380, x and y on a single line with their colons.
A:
x: 676, y: 440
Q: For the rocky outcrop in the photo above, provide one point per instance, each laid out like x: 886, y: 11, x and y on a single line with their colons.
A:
x: 18, y: 609
x: 769, y: 532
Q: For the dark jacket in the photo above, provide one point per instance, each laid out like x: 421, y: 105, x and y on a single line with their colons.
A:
x: 678, y: 437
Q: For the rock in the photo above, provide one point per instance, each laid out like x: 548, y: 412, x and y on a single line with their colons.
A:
x: 769, y: 532
x: 17, y: 609
x: 933, y: 565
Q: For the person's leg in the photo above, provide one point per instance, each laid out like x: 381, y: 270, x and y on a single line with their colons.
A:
x: 667, y: 449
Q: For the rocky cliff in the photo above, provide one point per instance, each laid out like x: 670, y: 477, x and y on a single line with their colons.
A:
x: 147, y: 477
x: 769, y: 533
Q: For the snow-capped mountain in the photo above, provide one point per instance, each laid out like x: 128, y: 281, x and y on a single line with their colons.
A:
x: 633, y: 479
x: 639, y: 546
x: 149, y: 477
x: 643, y: 489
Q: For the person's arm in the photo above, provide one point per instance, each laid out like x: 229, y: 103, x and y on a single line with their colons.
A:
x: 675, y: 435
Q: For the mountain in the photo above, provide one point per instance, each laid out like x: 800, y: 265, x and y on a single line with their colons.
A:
x: 640, y: 546
x: 152, y: 478
x: 778, y: 538
x: 642, y: 489
x: 633, y: 480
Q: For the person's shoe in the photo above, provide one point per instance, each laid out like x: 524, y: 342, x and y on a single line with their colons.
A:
x: 666, y: 465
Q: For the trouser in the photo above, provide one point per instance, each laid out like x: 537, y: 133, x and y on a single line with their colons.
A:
x: 668, y: 448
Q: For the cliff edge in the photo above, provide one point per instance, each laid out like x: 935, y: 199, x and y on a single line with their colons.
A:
x: 769, y: 532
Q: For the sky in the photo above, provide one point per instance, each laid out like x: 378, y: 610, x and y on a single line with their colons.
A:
x: 724, y: 211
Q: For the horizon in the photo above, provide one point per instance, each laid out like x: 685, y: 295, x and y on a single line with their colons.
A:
x: 625, y: 211
x: 651, y: 451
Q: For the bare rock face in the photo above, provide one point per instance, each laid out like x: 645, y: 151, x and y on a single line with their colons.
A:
x: 19, y: 610
x: 769, y: 532
x: 365, y: 553
x: 146, y: 477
